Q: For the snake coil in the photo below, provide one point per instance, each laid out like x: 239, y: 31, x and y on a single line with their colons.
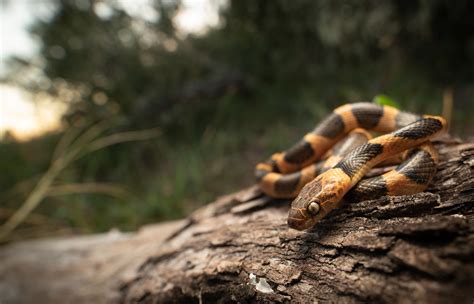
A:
x: 319, y: 187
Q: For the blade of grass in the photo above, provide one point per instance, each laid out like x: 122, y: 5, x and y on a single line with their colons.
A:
x: 32, y: 201
x: 83, y: 145
x: 108, y: 189
x: 67, y: 139
x: 85, y: 138
x: 117, y: 138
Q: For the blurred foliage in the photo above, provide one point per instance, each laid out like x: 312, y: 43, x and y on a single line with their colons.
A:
x: 384, y: 100
x: 226, y: 98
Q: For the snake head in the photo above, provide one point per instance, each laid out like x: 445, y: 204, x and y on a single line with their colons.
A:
x: 316, y: 200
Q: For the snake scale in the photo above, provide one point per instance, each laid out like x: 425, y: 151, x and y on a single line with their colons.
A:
x: 319, y: 187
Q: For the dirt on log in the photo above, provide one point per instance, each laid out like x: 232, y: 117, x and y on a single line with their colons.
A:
x: 408, y: 249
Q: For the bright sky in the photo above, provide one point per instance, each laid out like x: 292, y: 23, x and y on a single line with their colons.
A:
x: 25, y: 118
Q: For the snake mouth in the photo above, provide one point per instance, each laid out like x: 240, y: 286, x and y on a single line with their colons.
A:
x: 300, y: 224
x: 297, y: 219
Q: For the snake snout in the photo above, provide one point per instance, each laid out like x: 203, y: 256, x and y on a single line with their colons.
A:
x: 299, y: 220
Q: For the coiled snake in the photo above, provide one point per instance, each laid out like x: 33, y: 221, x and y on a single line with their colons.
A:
x: 319, y: 187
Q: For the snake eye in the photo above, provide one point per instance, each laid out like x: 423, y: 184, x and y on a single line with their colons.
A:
x: 313, y: 208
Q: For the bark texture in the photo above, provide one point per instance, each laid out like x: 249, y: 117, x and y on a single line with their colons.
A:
x: 417, y: 248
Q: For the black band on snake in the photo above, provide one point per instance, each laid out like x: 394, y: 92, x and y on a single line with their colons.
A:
x: 320, y: 186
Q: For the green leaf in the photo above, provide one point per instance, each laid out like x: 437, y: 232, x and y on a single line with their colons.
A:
x: 384, y: 100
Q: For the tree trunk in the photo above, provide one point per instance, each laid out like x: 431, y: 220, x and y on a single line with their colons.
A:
x: 417, y: 248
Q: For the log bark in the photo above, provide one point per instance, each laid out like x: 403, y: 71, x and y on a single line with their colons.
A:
x: 408, y: 249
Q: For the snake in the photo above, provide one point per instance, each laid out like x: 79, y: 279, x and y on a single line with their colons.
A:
x: 327, y: 166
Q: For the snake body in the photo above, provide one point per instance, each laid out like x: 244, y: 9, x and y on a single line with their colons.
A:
x: 320, y: 186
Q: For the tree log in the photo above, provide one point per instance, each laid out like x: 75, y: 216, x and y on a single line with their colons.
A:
x: 408, y: 249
